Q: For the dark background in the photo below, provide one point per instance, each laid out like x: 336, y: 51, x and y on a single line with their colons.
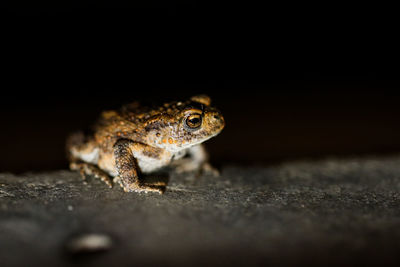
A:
x: 293, y: 81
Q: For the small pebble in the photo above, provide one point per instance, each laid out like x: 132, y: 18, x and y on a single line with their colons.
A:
x: 88, y: 243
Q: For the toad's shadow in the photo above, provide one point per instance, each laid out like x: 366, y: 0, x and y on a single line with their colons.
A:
x: 156, y: 178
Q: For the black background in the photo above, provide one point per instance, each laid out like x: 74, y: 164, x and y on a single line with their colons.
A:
x: 293, y: 81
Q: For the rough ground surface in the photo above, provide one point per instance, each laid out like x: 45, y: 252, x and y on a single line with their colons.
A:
x: 328, y: 212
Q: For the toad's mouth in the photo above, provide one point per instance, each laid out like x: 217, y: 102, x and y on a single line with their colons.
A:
x: 201, y: 140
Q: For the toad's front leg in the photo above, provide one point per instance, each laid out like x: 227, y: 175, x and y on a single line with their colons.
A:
x: 128, y: 168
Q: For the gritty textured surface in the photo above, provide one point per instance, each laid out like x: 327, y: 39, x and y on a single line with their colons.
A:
x: 305, y: 213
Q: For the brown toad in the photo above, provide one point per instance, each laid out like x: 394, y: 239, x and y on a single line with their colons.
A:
x: 139, y: 139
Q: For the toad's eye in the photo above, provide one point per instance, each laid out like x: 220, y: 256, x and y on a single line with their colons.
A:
x: 193, y: 122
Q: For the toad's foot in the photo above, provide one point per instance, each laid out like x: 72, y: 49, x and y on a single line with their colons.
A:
x: 187, y: 165
x: 209, y: 169
x: 90, y: 169
x: 158, y: 187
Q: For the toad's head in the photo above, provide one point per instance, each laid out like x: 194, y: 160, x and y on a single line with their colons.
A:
x: 180, y: 125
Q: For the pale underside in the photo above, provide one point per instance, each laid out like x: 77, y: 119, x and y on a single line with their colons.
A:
x: 106, y: 161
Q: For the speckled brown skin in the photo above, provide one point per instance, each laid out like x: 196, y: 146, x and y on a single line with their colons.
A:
x: 140, y: 139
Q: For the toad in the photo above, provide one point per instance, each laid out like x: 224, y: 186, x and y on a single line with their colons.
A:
x: 138, y: 139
